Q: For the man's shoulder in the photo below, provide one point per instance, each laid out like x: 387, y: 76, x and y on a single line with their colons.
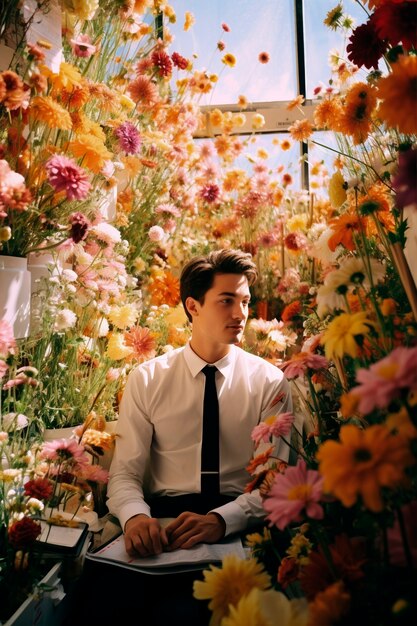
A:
x: 161, y: 362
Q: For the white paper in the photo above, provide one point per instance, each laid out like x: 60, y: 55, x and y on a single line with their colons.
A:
x: 63, y: 536
x: 167, y: 562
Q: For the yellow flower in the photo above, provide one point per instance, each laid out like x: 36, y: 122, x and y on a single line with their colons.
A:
x: 189, y: 20
x: 262, y: 608
x: 226, y: 585
x: 116, y: 347
x: 343, y: 333
x: 333, y: 17
x: 45, y: 109
x: 67, y: 78
x: 242, y: 102
x: 91, y: 150
x: 399, y: 95
x: 82, y: 9
x: 258, y: 121
x: 239, y: 120
x: 123, y: 316
x: 337, y: 191
x: 216, y: 117
x: 229, y: 59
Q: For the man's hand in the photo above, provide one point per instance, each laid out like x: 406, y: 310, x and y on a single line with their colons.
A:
x: 144, y: 536
x: 188, y: 529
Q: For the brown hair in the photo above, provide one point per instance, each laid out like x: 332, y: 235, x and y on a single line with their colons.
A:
x: 198, y: 274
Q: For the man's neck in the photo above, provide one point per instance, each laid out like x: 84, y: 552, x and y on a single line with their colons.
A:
x: 209, y: 354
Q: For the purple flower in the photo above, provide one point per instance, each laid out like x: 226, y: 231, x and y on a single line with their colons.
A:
x: 65, y: 175
x: 404, y: 183
x: 129, y: 138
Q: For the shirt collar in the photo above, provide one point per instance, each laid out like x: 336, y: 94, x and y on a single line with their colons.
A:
x: 195, y: 363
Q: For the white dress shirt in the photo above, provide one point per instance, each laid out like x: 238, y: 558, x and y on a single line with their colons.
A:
x: 158, y: 447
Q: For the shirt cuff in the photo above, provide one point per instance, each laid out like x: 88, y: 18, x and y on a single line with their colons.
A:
x: 234, y: 517
x: 131, y: 509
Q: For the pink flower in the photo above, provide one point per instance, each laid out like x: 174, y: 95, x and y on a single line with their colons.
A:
x: 260, y: 433
x: 293, y: 494
x: 129, y: 138
x: 384, y: 380
x: 156, y: 233
x: 65, y: 175
x: 210, y: 193
x: 94, y: 474
x: 282, y: 425
x: 7, y: 340
x: 3, y: 368
x: 301, y: 362
x: 226, y: 27
x: 82, y: 46
x: 62, y: 450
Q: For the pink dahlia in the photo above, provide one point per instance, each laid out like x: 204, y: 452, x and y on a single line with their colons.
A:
x: 301, y: 362
x: 385, y: 380
x: 65, y: 175
x: 293, y: 495
x: 129, y: 138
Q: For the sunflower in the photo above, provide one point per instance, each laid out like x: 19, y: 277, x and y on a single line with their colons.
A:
x: 343, y: 333
x: 45, y: 109
x: 362, y: 462
x: 399, y: 95
x: 91, y: 150
x: 225, y: 586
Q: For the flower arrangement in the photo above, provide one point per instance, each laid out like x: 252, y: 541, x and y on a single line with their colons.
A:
x: 339, y: 546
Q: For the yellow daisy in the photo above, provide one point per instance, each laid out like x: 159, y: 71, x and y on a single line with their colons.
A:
x: 343, y: 334
x: 225, y: 586
x: 229, y: 59
x: 337, y: 190
x: 123, y: 316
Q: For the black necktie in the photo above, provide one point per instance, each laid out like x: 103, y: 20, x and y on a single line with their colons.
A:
x: 210, y: 484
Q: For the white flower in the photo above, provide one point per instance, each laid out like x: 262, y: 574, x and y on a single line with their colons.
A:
x: 107, y: 233
x: 35, y: 505
x: 69, y: 276
x: 14, y: 421
x: 156, y: 233
x: 65, y: 319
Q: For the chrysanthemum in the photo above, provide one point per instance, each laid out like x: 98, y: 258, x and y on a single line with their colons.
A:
x: 129, y: 138
x: 107, y: 233
x: 143, y: 91
x: 362, y: 462
x: 91, y: 151
x: 47, y: 110
x: 225, y: 586
x: 65, y: 175
x: 399, y: 95
x: 123, y: 316
x: 385, y: 379
x: 303, y: 361
x: 40, y: 488
x: 165, y: 289
x: 301, y: 130
x: 294, y: 495
x: 162, y: 62
x: 343, y: 334
x: 210, y: 193
x: 229, y: 59
x: 142, y: 343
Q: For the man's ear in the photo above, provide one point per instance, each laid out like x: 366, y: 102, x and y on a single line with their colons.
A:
x: 192, y: 306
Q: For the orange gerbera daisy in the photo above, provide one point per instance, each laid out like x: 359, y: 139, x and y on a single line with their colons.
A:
x: 143, y: 90
x: 399, y: 95
x: 297, y: 102
x: 76, y: 97
x: 363, y: 462
x: 45, y: 109
x: 291, y: 310
x: 165, y: 289
x: 377, y: 202
x: 301, y: 130
x: 91, y: 150
x: 356, y: 116
x: 343, y: 229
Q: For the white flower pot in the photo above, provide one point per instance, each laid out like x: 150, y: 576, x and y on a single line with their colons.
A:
x: 15, y: 291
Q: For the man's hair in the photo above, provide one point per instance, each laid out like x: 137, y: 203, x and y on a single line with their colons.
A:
x: 198, y: 274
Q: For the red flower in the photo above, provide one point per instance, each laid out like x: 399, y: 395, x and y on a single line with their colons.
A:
x: 291, y: 310
x: 179, y: 61
x: 397, y: 23
x: 366, y: 47
x: 23, y: 533
x: 210, y: 193
x: 40, y: 488
x: 162, y: 62
x: 288, y: 571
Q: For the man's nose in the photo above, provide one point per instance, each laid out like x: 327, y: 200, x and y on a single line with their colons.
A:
x: 239, y: 311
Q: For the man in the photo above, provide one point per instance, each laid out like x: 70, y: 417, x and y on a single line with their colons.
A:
x: 156, y: 469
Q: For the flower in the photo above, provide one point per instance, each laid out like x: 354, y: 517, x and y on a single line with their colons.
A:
x: 297, y: 491
x: 129, y: 138
x: 226, y: 585
x: 263, y: 57
x: 300, y: 362
x: 362, y: 463
x: 397, y: 23
x: 260, y: 608
x: 229, y: 59
x: 23, y: 532
x: 343, y: 334
x: 397, y: 94
x: 366, y: 47
x: 82, y: 46
x: 91, y: 150
x: 65, y: 175
x: 47, y: 110
x: 142, y: 343
x: 7, y: 340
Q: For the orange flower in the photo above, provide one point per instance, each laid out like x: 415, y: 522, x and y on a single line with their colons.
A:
x: 327, y: 114
x: 297, y: 102
x: 356, y: 116
x: 291, y: 310
x: 343, y: 228
x: 362, y: 463
x: 165, y: 289
x: 91, y: 150
x: 329, y: 606
x: 143, y: 343
x: 301, y: 130
x: 399, y: 95
x: 258, y: 460
x: 45, y: 109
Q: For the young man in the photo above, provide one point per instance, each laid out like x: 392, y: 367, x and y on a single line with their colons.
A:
x: 156, y: 469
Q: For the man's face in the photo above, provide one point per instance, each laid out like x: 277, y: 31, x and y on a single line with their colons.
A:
x: 222, y: 317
